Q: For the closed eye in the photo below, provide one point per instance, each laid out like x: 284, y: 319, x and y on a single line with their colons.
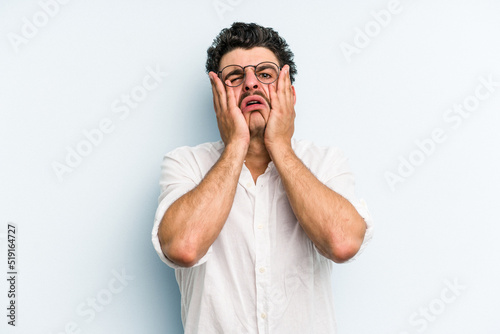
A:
x: 234, y: 75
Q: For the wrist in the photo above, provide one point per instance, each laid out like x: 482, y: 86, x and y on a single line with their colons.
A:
x: 278, y: 150
x: 236, y: 149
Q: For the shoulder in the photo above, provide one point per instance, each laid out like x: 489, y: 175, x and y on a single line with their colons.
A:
x: 310, y: 153
x: 325, y: 162
x: 192, y: 161
x: 205, y: 151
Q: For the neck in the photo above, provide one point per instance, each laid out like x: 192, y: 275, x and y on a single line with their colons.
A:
x: 257, y: 158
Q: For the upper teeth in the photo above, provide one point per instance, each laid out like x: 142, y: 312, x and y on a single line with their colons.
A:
x: 252, y: 102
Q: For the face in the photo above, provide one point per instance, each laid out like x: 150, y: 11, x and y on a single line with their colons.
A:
x: 252, y: 96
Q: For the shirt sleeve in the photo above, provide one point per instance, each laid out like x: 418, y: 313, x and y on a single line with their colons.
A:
x: 336, y: 175
x: 178, y: 177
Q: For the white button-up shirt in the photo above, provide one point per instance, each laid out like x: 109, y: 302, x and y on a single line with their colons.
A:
x: 262, y: 274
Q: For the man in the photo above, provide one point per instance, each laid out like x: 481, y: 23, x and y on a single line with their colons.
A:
x: 252, y: 223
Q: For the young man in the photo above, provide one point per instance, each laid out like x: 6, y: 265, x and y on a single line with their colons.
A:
x: 252, y: 223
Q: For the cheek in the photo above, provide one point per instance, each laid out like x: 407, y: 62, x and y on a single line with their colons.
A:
x: 237, y: 94
x: 268, y: 91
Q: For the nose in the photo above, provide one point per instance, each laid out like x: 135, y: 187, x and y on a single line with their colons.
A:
x: 251, y: 81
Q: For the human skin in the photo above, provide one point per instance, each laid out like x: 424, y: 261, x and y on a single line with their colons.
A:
x: 255, y: 135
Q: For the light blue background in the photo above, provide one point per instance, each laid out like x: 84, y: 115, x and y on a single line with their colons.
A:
x: 74, y: 234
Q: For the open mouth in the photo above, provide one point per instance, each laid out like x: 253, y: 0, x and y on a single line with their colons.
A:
x: 253, y: 102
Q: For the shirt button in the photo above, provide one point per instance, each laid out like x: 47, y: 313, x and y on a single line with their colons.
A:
x: 260, y: 226
x: 262, y: 270
x: 249, y: 184
x: 263, y: 315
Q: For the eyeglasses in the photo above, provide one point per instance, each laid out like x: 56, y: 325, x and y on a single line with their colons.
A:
x: 266, y: 72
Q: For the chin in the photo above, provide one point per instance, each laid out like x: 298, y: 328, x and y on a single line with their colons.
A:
x: 259, y: 115
x: 256, y: 118
x: 257, y: 125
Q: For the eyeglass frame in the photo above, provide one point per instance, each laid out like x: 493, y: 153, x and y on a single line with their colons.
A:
x: 219, y: 74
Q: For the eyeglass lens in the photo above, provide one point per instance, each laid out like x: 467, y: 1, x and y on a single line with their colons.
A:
x: 266, y: 73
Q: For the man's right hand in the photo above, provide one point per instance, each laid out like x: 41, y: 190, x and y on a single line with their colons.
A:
x: 232, y: 125
x: 193, y: 222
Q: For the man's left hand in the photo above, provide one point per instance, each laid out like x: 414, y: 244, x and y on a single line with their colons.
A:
x: 280, y: 126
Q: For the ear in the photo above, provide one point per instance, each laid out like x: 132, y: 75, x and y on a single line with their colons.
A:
x: 294, y: 95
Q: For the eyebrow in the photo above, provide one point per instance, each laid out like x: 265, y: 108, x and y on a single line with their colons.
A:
x: 235, y: 71
x: 265, y: 66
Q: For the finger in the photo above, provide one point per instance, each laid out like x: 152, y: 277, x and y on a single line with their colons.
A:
x: 287, y: 89
x: 231, y: 99
x: 291, y: 91
x: 282, y: 82
x: 214, y: 89
x: 215, y: 94
x: 288, y: 84
x: 273, y: 93
x: 285, y: 93
x: 281, y: 86
x: 220, y: 92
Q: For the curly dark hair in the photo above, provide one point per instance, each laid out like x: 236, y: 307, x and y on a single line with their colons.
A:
x: 247, y: 36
